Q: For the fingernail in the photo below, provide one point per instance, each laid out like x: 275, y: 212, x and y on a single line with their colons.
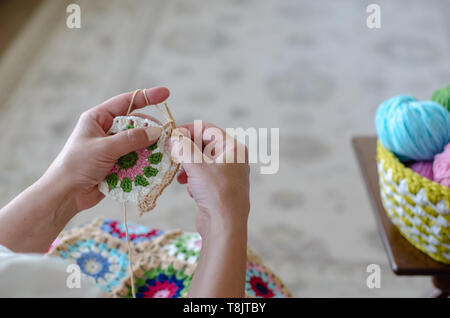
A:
x: 153, y: 132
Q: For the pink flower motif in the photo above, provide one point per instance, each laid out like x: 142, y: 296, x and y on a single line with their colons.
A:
x: 137, y: 169
x: 161, y: 290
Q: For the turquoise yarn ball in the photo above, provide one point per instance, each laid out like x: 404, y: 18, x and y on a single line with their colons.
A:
x: 412, y: 129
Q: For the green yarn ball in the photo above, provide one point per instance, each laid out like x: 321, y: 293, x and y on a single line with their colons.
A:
x: 442, y: 96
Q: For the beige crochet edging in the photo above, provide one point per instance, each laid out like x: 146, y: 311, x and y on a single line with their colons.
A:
x: 89, y: 232
x: 148, y: 202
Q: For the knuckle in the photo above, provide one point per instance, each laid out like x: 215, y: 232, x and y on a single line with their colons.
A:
x: 209, y: 125
x: 85, y: 115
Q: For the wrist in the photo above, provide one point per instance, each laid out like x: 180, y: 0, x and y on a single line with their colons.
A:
x: 225, y: 227
x: 32, y: 220
x: 61, y: 190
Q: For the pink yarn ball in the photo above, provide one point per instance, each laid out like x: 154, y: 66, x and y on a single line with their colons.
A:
x: 424, y: 168
x: 441, y: 167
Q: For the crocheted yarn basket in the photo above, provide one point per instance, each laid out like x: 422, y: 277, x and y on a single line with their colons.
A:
x: 418, y: 207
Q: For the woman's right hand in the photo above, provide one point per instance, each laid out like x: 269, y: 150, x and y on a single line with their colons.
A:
x: 220, y: 190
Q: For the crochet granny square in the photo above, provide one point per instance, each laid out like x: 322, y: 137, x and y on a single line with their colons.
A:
x: 140, y: 176
x: 165, y: 261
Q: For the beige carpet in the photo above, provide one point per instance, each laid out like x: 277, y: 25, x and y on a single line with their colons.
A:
x: 311, y: 68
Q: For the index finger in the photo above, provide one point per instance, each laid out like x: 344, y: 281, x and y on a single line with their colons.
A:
x: 118, y: 105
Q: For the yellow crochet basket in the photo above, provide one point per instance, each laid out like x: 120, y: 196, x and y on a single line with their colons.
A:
x: 418, y: 207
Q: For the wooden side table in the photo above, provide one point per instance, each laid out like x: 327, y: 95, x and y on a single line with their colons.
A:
x: 404, y: 258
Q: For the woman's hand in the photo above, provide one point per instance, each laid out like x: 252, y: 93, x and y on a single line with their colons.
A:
x: 31, y: 222
x: 221, y: 192
x: 89, y: 153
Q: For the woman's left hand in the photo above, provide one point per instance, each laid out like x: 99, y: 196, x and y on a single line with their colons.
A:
x: 33, y: 219
x: 89, y: 153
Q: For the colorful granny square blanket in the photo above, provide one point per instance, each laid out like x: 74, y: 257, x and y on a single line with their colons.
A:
x: 164, y: 261
x: 140, y: 176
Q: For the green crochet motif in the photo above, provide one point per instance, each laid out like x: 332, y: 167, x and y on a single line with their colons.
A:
x: 112, y: 180
x: 181, y: 244
x: 153, y: 147
x: 126, y: 184
x: 179, y: 274
x: 129, y: 127
x: 155, y: 158
x: 128, y: 161
x: 150, y: 171
x: 140, y: 181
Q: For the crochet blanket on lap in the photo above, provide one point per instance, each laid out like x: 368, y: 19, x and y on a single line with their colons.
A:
x: 164, y: 261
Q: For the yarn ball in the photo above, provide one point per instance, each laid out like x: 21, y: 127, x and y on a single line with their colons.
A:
x: 442, y: 96
x: 424, y: 168
x: 413, y: 130
x: 441, y: 167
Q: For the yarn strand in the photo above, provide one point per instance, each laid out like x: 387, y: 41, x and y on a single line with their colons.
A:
x: 158, y: 107
x: 169, y: 113
x: 132, y: 101
x: 130, y: 252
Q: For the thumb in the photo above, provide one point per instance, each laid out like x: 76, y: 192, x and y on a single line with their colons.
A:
x: 130, y: 140
x: 184, y: 151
